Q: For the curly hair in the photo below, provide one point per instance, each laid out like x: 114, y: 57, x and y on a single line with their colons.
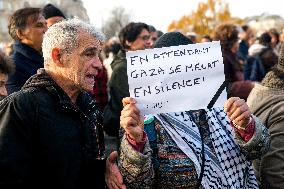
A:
x: 227, y: 34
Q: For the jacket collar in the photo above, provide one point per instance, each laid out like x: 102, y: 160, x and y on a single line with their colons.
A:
x: 43, y: 80
x: 28, y: 52
x: 271, y: 80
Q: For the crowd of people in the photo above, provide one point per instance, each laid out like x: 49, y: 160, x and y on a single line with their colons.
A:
x: 63, y: 87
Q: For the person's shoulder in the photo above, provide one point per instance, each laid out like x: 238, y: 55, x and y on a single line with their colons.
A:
x: 21, y: 94
x: 120, y: 67
x: 18, y: 101
x: 24, y: 98
x: 119, y: 59
x: 18, y: 57
x: 118, y: 73
x: 119, y: 63
x: 23, y: 106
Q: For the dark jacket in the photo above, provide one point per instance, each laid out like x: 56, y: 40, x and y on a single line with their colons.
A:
x: 243, y: 50
x: 118, y: 88
x: 46, y: 141
x: 27, y: 62
x: 259, y: 64
x: 237, y: 86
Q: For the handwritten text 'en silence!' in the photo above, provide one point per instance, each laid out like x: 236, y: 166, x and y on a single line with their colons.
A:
x: 161, y: 88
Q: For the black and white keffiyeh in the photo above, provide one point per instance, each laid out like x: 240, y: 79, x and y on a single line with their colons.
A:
x: 230, y: 169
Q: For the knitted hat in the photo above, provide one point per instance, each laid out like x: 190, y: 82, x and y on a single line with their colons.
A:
x: 280, y: 64
x: 50, y: 10
x: 172, y: 39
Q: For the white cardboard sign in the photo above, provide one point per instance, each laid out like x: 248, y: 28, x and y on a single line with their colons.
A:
x: 178, y: 78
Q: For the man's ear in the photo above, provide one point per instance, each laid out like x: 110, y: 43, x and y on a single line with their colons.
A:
x: 56, y: 57
x: 20, y: 34
x: 128, y: 43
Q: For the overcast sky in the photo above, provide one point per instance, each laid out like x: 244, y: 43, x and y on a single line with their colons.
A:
x: 161, y: 13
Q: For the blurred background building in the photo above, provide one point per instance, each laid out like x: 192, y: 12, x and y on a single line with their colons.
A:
x: 201, y: 21
x: 265, y: 22
x: 71, y: 8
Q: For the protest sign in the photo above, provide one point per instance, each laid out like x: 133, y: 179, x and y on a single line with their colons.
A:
x: 178, y: 78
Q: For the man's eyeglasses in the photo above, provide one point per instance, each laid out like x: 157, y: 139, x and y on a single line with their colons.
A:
x: 145, y: 37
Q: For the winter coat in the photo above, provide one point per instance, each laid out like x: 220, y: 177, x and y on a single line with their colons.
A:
x: 46, y: 141
x: 118, y: 89
x: 266, y: 101
x: 243, y: 50
x: 260, y: 61
x: 27, y: 62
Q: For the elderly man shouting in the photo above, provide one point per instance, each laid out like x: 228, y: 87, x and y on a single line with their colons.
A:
x: 50, y: 131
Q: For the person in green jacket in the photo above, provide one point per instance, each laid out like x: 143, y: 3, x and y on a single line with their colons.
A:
x: 134, y: 36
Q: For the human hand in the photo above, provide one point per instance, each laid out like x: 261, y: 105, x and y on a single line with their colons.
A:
x: 238, y: 112
x: 130, y: 119
x: 113, y: 177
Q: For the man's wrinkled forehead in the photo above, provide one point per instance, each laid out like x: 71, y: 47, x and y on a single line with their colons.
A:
x: 88, y: 40
x: 33, y: 19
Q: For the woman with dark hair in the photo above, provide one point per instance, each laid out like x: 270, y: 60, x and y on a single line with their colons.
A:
x: 228, y: 36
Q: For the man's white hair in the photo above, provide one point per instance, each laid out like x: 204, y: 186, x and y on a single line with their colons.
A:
x: 64, y: 35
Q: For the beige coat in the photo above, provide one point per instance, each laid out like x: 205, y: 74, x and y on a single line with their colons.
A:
x: 266, y: 101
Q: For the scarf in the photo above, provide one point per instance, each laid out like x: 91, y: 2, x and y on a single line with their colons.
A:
x: 229, y: 168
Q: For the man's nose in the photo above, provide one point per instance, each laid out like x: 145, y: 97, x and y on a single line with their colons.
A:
x: 45, y: 28
x: 97, y: 63
x: 3, y: 91
x: 149, y: 43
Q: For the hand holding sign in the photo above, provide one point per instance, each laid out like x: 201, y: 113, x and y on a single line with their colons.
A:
x: 176, y: 78
x: 238, y: 112
x: 130, y: 119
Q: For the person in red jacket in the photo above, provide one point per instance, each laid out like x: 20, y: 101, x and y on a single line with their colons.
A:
x: 227, y: 34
